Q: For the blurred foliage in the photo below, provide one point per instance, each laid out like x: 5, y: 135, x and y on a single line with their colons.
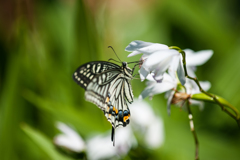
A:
x: 43, y: 42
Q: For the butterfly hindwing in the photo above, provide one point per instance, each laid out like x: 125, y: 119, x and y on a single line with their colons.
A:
x: 97, y: 90
x: 117, y: 111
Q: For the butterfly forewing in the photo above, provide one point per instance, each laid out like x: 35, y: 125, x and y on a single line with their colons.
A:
x: 85, y: 73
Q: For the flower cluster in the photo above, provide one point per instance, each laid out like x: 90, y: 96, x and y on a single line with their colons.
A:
x: 163, y: 68
x: 149, y: 128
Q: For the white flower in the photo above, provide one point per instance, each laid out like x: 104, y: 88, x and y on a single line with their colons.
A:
x: 169, y: 82
x: 146, y: 122
x: 100, y: 147
x: 69, y: 139
x: 157, y: 59
x: 169, y: 85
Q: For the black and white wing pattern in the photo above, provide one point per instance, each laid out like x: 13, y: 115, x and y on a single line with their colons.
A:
x: 108, y: 86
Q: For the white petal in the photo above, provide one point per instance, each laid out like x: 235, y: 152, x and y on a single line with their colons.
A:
x: 173, y: 67
x: 135, y: 45
x: 149, y: 124
x: 150, y: 77
x: 158, y: 77
x: 146, y: 92
x: 153, y: 48
x: 181, y: 73
x: 161, y: 88
x: 159, y: 57
x: 134, y: 53
x: 200, y: 104
x: 156, y: 88
x: 190, y: 71
x: 154, y: 136
x: 70, y: 139
x: 205, y: 85
x: 138, y: 47
x: 141, y: 109
x: 100, y: 147
x: 197, y: 58
x: 170, y: 96
x: 143, y: 73
x: 161, y: 68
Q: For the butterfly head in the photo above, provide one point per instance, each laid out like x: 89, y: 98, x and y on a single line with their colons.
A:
x: 124, y: 64
x: 127, y: 70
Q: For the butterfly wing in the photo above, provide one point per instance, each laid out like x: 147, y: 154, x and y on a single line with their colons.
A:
x: 85, y: 73
x: 116, y: 108
x: 106, y: 87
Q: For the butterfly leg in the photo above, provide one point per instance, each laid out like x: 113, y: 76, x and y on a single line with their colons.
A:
x: 136, y: 74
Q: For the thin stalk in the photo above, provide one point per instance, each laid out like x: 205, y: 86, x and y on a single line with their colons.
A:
x: 191, y: 122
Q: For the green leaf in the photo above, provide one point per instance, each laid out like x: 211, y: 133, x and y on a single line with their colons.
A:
x: 43, y: 143
x: 66, y: 112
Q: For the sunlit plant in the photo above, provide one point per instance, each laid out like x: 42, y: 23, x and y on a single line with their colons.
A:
x: 171, y: 70
x: 168, y: 70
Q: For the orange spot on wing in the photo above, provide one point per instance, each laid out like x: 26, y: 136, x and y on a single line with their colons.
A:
x: 125, y: 118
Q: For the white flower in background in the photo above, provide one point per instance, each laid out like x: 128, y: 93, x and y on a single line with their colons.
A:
x: 100, y: 147
x: 70, y: 139
x: 157, y: 59
x: 143, y: 120
x: 147, y: 123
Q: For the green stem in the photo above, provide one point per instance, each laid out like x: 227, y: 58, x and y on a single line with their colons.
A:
x: 190, y: 116
x: 214, y: 97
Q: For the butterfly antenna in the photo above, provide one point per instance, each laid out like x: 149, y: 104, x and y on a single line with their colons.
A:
x: 113, y: 60
x: 115, y: 53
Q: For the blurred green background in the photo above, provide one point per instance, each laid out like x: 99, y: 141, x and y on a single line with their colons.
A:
x: 43, y: 42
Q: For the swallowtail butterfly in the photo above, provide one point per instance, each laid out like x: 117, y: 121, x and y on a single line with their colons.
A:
x: 108, y: 86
